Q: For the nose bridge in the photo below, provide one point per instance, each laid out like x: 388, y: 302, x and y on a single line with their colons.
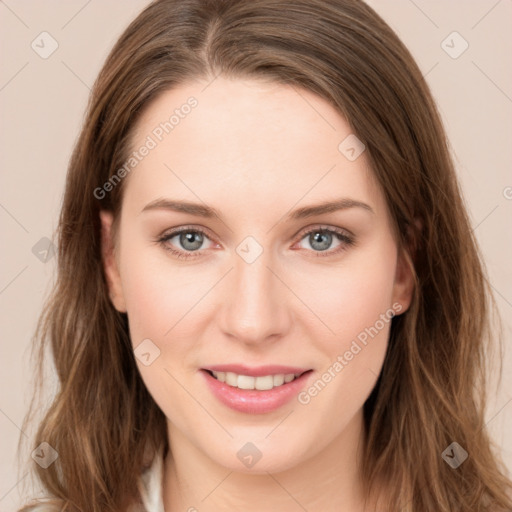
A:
x: 255, y: 306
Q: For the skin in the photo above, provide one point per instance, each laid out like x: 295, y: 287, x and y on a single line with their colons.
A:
x: 255, y: 151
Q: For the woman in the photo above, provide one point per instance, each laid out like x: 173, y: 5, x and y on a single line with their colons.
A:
x: 269, y: 296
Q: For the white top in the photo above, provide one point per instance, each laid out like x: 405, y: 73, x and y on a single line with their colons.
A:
x: 151, y: 485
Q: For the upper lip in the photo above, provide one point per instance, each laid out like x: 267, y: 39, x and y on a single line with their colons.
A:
x: 256, y: 371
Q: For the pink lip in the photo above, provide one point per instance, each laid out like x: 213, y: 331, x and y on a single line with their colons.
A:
x: 252, y: 401
x: 256, y: 371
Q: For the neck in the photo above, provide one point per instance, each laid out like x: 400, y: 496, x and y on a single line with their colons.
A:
x: 328, y: 481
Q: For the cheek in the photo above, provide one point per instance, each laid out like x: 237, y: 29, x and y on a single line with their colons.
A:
x: 158, y: 293
x: 360, y: 315
x: 158, y: 297
x: 351, y: 297
x: 356, y: 305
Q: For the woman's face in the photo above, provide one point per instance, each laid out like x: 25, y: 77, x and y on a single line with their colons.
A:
x: 253, y: 289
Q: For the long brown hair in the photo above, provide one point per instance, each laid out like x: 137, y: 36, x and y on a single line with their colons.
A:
x: 102, y: 421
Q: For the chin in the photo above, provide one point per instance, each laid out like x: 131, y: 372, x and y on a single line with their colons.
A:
x: 255, y: 452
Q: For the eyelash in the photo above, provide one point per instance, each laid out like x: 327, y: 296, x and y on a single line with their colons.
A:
x: 342, y: 236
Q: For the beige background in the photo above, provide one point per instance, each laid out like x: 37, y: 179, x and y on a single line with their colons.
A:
x: 42, y: 103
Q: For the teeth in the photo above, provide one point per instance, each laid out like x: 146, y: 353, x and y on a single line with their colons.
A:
x: 246, y: 382
x: 260, y: 383
x: 278, y: 380
x: 263, y: 383
x: 231, y: 379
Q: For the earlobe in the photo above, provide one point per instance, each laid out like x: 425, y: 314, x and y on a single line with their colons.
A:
x: 404, y: 281
x: 405, y: 276
x: 110, y: 265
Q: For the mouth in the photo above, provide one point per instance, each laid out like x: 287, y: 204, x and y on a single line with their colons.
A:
x: 255, y: 390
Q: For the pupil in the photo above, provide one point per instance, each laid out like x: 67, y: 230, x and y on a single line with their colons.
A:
x: 317, y: 240
x: 188, y: 238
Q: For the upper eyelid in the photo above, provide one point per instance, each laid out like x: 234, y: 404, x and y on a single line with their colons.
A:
x: 323, y: 227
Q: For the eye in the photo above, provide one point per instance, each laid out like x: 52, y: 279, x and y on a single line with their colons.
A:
x: 320, y: 240
x: 190, y: 239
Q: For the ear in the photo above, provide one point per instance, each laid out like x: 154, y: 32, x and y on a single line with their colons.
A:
x: 403, y: 287
x: 110, y: 265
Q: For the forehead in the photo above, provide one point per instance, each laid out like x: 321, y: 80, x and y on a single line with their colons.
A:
x: 264, y: 141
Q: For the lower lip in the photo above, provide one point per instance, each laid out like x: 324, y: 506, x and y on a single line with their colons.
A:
x: 253, y: 401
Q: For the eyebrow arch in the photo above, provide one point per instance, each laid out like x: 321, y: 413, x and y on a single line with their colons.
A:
x: 202, y: 210
x: 331, y: 206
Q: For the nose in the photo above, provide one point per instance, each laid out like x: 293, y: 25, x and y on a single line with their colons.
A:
x: 256, y: 306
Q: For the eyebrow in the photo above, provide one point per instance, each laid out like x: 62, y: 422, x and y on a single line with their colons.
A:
x: 202, y: 210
